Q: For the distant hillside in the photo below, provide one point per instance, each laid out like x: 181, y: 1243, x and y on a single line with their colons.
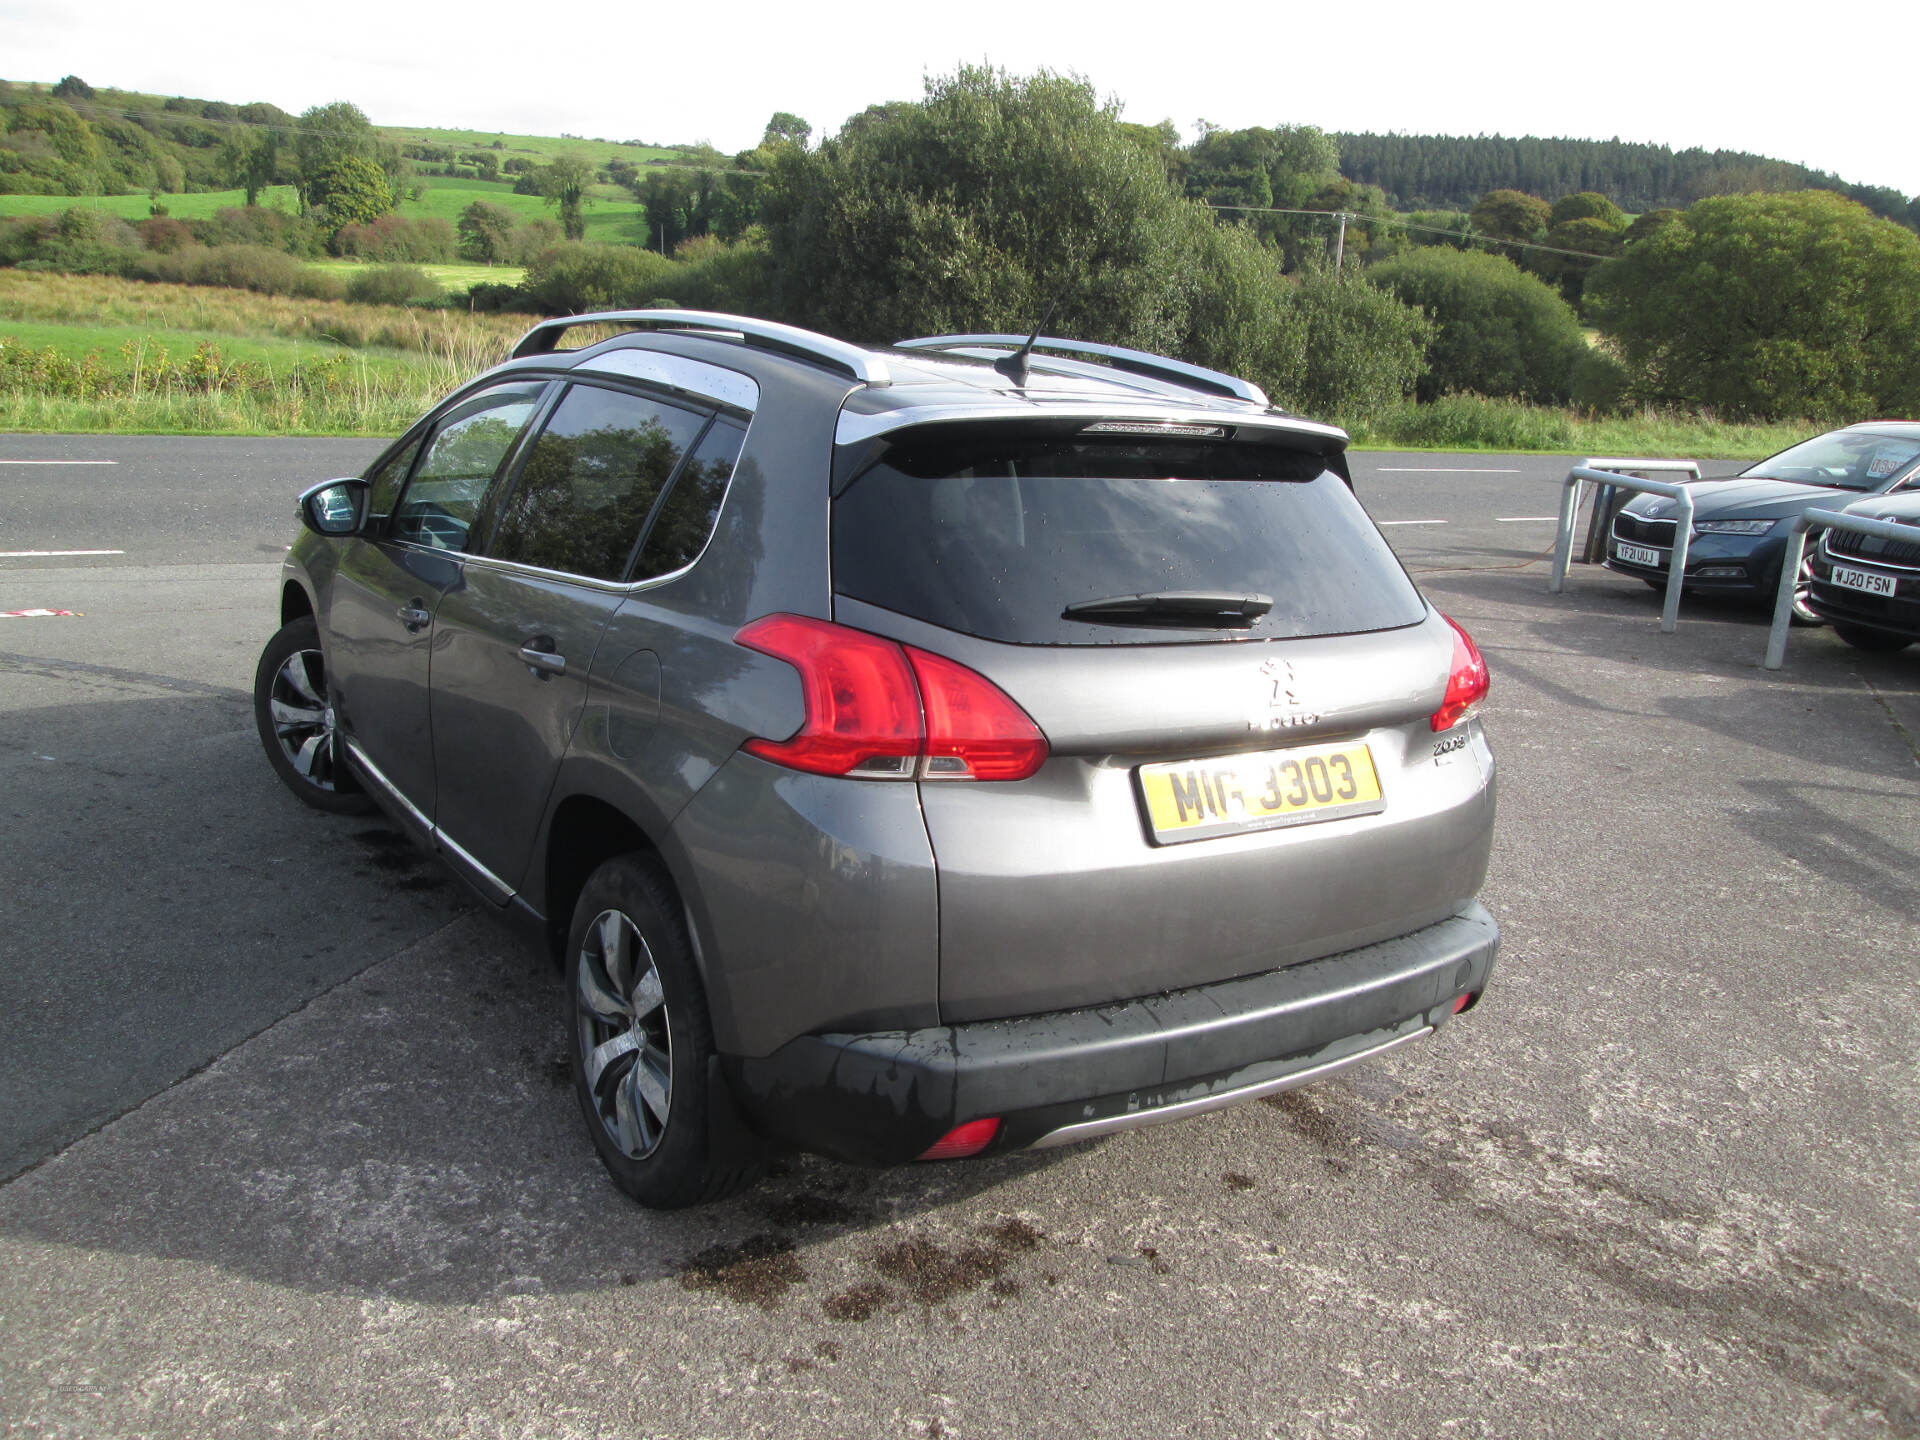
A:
x: 1450, y: 172
x: 63, y: 140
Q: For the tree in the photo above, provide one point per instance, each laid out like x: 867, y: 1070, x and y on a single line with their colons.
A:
x: 72, y: 87
x: 1263, y: 169
x: 1587, y: 205
x: 786, y: 129
x: 1800, y: 305
x: 1570, y: 242
x: 486, y: 231
x: 1511, y: 215
x: 563, y: 184
x: 250, y: 159
x: 352, y: 190
x: 1501, y: 331
x: 999, y: 200
x: 989, y: 203
x: 328, y: 134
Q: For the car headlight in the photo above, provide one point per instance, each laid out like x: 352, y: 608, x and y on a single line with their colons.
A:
x: 1733, y: 527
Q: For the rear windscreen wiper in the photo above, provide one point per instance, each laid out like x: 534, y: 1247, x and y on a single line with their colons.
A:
x: 1177, y: 609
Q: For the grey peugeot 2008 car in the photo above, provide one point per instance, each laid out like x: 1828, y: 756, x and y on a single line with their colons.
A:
x: 909, y: 752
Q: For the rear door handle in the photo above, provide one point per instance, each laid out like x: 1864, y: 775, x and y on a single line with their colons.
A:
x: 539, y: 657
x: 413, y: 615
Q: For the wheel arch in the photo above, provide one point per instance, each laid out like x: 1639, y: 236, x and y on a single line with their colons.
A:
x: 584, y: 829
x: 295, y: 603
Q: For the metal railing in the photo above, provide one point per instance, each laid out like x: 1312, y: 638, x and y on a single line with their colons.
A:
x: 1612, y: 473
x: 1796, y: 552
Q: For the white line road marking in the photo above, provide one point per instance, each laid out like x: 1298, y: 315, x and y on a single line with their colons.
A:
x: 1524, y: 519
x: 46, y: 554
x: 59, y: 462
x: 33, y: 614
x: 1443, y: 470
x: 1409, y: 522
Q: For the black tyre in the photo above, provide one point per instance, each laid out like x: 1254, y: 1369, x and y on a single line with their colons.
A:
x: 642, y: 1043
x: 1880, y: 642
x: 294, y: 713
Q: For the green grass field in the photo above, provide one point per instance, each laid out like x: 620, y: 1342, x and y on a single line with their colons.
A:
x: 453, y: 277
x: 136, y: 207
x: 614, y: 217
x: 111, y: 343
x: 536, y: 147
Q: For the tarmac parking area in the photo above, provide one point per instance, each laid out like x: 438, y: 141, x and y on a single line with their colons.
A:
x: 289, y: 1146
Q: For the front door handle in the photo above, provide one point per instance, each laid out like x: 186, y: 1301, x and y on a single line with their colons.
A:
x: 538, y: 655
x: 414, y: 615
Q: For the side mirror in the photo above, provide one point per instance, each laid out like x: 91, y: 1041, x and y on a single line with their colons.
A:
x: 334, y: 507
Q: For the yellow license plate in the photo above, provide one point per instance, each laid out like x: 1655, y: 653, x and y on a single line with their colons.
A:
x: 1233, y: 794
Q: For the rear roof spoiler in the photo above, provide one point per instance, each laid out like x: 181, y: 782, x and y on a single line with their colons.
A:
x: 1138, y: 362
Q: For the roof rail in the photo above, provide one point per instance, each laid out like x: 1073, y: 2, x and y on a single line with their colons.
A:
x: 862, y: 365
x: 1139, y: 362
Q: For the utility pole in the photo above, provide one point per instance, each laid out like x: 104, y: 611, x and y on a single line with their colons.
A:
x: 1340, y: 245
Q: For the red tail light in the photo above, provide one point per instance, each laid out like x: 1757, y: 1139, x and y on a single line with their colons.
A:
x: 973, y: 728
x: 879, y: 709
x: 963, y: 1140
x: 1466, y: 684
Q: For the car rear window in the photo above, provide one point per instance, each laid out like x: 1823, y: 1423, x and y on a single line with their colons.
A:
x: 997, y: 539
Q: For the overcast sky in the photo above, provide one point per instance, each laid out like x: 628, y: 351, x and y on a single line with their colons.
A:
x: 1824, y: 85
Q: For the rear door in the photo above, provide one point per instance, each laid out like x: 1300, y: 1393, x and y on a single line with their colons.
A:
x: 514, y: 643
x: 1234, y: 675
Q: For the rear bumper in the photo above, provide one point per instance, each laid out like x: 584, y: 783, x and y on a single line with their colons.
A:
x: 885, y: 1098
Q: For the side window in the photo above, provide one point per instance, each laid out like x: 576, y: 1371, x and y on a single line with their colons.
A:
x: 693, y: 505
x: 590, y: 481
x: 461, y: 459
x: 385, y: 479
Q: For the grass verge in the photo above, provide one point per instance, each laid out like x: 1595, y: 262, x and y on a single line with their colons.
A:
x: 1469, y: 422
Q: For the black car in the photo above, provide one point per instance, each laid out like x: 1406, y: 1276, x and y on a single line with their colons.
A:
x: 1866, y: 587
x: 1740, y: 524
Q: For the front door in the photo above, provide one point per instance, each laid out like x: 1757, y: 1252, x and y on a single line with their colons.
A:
x: 393, y: 579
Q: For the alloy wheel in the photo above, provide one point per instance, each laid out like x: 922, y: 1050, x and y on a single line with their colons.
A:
x: 626, y: 1053
x: 303, y: 720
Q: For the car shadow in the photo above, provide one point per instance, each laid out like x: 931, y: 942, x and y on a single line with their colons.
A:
x: 413, y: 1133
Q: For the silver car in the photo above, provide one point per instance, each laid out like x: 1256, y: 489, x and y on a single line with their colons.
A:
x: 907, y: 752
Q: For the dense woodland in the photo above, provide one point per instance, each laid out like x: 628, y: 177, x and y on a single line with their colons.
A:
x: 1452, y: 171
x: 1275, y: 253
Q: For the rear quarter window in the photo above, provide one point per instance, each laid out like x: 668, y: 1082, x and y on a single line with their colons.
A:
x: 997, y: 539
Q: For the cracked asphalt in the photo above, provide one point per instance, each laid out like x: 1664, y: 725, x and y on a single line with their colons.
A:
x: 292, y: 1151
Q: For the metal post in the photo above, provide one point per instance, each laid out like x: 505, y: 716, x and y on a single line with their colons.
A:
x: 1805, y: 521
x: 1682, y: 529
x: 1563, y: 533
x: 1783, y: 594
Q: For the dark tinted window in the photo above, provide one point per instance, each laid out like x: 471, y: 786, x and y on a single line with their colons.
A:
x: 590, y: 481
x: 997, y: 540
x: 687, y: 518
x: 466, y: 452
